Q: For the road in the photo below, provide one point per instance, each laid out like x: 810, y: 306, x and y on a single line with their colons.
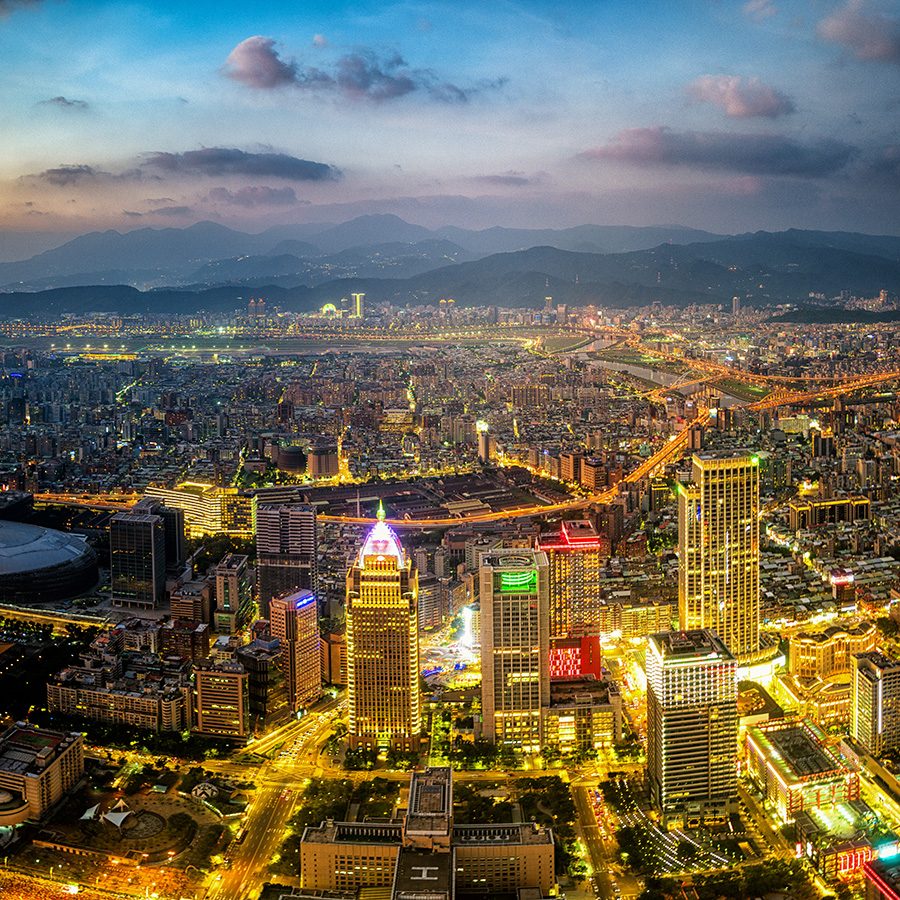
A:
x: 265, y: 827
x: 598, y: 854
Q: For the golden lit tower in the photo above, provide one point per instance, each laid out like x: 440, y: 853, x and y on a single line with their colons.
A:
x: 383, y: 644
x: 718, y: 542
x: 576, y: 556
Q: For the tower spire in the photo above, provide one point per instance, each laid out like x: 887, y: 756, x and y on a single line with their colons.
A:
x: 380, y: 514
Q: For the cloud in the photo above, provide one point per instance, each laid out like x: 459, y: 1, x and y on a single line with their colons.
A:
x: 740, y: 98
x: 8, y: 6
x: 759, y: 10
x: 867, y: 34
x: 173, y: 211
x: 63, y: 176
x: 256, y: 63
x: 751, y: 154
x: 508, y: 179
x: 319, y: 40
x: 884, y: 170
x: 66, y: 103
x: 361, y: 75
x: 254, y: 195
x: 230, y: 161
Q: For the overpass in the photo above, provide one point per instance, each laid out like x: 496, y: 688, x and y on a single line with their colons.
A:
x: 60, y: 621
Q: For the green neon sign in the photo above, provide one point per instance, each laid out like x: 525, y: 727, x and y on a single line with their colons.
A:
x: 518, y: 581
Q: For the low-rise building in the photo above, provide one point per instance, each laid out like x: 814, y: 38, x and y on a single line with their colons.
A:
x: 790, y: 763
x: 38, y: 768
x: 821, y: 654
x: 465, y: 859
x: 584, y: 714
x: 147, y: 693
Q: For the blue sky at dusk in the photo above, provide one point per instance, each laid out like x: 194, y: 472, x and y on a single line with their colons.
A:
x: 725, y: 115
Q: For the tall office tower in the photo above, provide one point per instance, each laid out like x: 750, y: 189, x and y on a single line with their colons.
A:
x: 718, y: 543
x: 173, y: 527
x: 221, y: 699
x: 383, y: 644
x: 484, y: 441
x: 285, y: 551
x: 294, y: 621
x: 875, y: 701
x: 137, y: 559
x: 515, y: 646
x: 692, y: 725
x: 234, y: 593
x: 359, y: 305
x: 575, y: 557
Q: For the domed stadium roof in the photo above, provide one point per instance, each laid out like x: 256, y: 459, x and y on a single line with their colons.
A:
x: 27, y: 548
x: 39, y: 564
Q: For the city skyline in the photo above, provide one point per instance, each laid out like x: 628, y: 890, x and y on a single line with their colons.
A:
x: 729, y: 116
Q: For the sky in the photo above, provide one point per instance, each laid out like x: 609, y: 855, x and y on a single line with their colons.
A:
x: 727, y: 116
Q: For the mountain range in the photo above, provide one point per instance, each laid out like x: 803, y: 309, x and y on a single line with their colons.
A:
x: 208, y: 266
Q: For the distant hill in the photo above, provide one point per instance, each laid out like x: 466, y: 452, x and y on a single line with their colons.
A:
x: 155, y: 257
x: 762, y: 268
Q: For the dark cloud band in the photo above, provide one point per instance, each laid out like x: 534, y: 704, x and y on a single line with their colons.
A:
x: 749, y: 154
x: 230, y: 161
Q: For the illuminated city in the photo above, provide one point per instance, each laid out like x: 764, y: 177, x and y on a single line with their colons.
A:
x: 391, y: 508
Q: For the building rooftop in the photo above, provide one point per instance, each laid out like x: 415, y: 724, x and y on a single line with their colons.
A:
x: 511, y: 834
x: 879, y: 660
x: 26, y: 750
x: 688, y: 646
x: 430, y: 809
x: 796, y: 749
x: 574, y: 534
x: 582, y: 691
x: 423, y: 875
x: 513, y: 558
x: 885, y: 874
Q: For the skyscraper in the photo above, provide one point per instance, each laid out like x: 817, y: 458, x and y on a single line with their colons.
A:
x: 875, y: 701
x: 515, y: 645
x: 383, y: 644
x: 575, y: 557
x: 234, y: 593
x: 137, y: 551
x: 692, y: 725
x: 285, y: 550
x: 718, y: 542
x: 359, y: 305
x: 294, y: 622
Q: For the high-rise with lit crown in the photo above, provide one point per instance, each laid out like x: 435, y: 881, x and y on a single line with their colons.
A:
x: 718, y: 542
x: 515, y: 645
x: 692, y: 725
x: 575, y: 556
x: 383, y: 644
